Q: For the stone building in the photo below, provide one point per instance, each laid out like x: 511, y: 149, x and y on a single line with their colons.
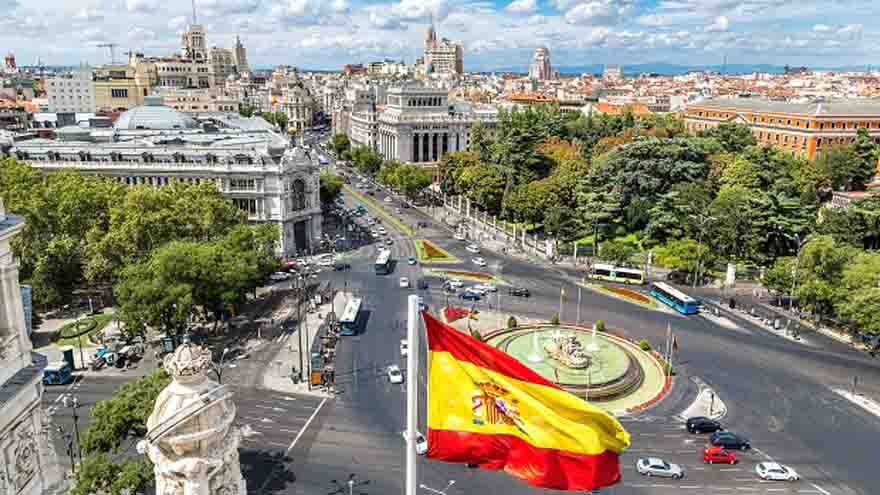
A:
x: 290, y: 95
x: 239, y: 55
x: 74, y: 92
x: 222, y: 64
x: 442, y: 56
x: 419, y: 124
x: 25, y: 466
x: 120, y: 87
x: 247, y: 160
x: 541, y: 69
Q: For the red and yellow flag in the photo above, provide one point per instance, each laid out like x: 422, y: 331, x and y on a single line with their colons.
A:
x: 487, y: 408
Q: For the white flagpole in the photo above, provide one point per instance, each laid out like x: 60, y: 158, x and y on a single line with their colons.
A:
x: 412, y: 391
x: 668, y: 340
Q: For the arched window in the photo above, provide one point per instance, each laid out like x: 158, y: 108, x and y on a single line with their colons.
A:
x: 298, y: 195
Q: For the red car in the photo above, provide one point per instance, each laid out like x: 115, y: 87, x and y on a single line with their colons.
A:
x: 714, y: 454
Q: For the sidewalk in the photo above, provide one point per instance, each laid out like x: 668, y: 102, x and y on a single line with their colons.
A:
x: 278, y: 375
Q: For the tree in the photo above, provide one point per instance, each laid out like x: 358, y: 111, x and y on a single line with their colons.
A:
x: 451, y: 166
x: 484, y: 185
x: 366, y: 160
x: 99, y: 474
x: 683, y: 254
x: 822, y: 261
x: 617, y: 253
x: 480, y: 142
x: 865, y: 155
x: 331, y: 184
x: 733, y: 137
x: 733, y: 231
x: 858, y: 295
x: 246, y: 110
x: 562, y: 220
x: 595, y: 208
x: 282, y: 120
x: 340, y: 144
x: 123, y: 416
x: 780, y: 276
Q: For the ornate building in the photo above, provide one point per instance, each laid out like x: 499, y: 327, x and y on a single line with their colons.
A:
x: 239, y: 55
x: 290, y: 95
x: 541, y: 69
x: 419, y: 125
x: 248, y: 161
x: 442, y: 56
x: 25, y: 468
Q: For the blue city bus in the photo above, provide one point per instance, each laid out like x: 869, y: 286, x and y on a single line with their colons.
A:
x: 383, y: 263
x: 350, y: 320
x: 59, y: 373
x: 675, y: 298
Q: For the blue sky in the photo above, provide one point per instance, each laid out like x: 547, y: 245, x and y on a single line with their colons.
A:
x: 495, y: 33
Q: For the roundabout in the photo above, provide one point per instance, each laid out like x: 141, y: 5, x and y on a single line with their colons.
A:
x: 608, y: 371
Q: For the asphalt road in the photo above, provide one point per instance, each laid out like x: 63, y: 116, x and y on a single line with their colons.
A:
x: 778, y: 391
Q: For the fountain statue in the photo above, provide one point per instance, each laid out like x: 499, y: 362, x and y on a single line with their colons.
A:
x: 567, y: 350
x: 191, y: 436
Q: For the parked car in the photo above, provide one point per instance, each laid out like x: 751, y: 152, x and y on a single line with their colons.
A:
x: 389, y: 241
x: 422, y: 284
x: 776, y: 472
x: 519, y: 291
x: 394, y: 374
x: 279, y: 276
x: 341, y: 266
x: 702, y: 424
x: 456, y: 283
x: 479, y: 262
x: 729, y: 440
x: 459, y: 236
x: 404, y: 283
x: 388, y: 199
x: 718, y: 455
x: 411, y: 260
x: 403, y: 347
x: 487, y: 287
x: 470, y: 295
x: 473, y: 248
x: 421, y: 443
x: 654, y: 466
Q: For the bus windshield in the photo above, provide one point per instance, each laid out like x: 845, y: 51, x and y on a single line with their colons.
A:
x: 383, y: 263
x: 348, y: 322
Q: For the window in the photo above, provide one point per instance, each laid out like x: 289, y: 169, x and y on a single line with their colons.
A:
x: 298, y: 195
x: 119, y: 93
x: 242, y: 185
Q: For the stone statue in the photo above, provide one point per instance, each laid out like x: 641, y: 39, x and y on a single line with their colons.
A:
x: 191, y: 437
x: 567, y: 350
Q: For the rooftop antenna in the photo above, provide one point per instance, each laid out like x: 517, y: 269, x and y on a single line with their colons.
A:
x: 195, y: 21
x: 112, y: 47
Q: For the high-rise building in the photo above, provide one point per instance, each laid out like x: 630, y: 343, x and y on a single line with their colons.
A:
x: 73, y: 92
x: 240, y: 57
x: 27, y: 467
x: 612, y: 72
x: 9, y: 63
x: 194, y: 43
x: 443, y: 56
x: 222, y: 64
x: 541, y: 69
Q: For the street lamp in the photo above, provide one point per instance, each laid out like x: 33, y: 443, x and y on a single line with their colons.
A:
x: 72, y: 402
x: 218, y: 367
x: 438, y: 492
x: 350, y: 484
x: 702, y: 220
x: 800, y: 244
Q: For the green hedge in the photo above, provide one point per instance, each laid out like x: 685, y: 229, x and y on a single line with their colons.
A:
x: 77, y: 328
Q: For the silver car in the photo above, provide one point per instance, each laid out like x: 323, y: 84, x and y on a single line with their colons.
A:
x: 653, y: 466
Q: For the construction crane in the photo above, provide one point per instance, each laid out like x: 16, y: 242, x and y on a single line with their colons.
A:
x: 112, y: 47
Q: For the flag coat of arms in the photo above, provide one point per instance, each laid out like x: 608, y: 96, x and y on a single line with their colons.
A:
x: 487, y: 408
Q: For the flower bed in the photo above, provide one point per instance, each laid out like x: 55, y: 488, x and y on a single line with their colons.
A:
x: 631, y: 294
x: 483, y: 277
x: 432, y: 253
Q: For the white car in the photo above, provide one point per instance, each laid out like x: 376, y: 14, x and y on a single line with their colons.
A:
x: 456, y: 282
x: 459, y: 236
x: 404, y: 283
x: 478, y: 289
x: 421, y: 443
x: 326, y: 262
x: 479, y: 261
x: 487, y: 287
x: 279, y: 276
x: 302, y: 262
x: 473, y: 248
x: 404, y: 345
x: 394, y: 374
x: 382, y: 230
x: 776, y: 472
x: 388, y: 199
x: 653, y: 466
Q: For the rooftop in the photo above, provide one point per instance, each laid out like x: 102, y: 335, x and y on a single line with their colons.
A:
x: 154, y: 116
x: 847, y: 107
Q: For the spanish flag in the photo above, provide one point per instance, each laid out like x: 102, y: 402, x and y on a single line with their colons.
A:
x: 487, y: 408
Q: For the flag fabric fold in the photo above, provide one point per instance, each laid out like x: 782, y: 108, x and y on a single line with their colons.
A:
x: 487, y: 408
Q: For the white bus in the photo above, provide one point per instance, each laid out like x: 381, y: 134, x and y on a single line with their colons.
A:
x: 350, y: 320
x: 617, y: 274
x: 383, y: 263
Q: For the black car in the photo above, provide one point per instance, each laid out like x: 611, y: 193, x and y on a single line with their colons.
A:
x: 729, y: 440
x: 422, y: 284
x: 519, y: 291
x: 341, y: 267
x: 702, y: 424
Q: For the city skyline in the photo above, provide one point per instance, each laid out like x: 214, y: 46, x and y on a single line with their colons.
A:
x: 327, y: 34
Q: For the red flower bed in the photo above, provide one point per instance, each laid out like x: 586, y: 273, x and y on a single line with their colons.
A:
x: 630, y: 294
x: 432, y: 251
x: 453, y: 313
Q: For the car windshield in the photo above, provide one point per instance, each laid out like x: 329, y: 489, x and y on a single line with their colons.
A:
x: 666, y: 466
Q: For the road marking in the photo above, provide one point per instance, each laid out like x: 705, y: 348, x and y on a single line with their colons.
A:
x: 763, y: 454
x: 820, y: 489
x: 285, y: 430
x: 777, y: 489
x: 722, y: 488
x: 671, y: 436
x: 686, y: 452
x: 271, y: 408
x: 647, y: 434
x: 731, y: 469
x: 809, y: 491
x: 306, y: 426
x: 746, y: 489
x: 690, y: 487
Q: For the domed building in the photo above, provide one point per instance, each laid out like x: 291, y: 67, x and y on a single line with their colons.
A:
x: 153, y: 115
x: 250, y: 162
x: 293, y: 98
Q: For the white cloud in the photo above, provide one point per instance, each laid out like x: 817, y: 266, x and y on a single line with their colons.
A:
x: 537, y: 20
x: 216, y: 8
x: 88, y: 14
x: 851, y: 32
x: 601, y: 12
x: 654, y: 20
x: 414, y: 10
x: 720, y: 24
x: 339, y: 6
x: 142, y: 6
x: 380, y: 21
x: 522, y: 6
x: 822, y: 28
x: 177, y: 23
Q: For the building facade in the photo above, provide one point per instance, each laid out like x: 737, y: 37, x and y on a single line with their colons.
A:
x: 248, y: 161
x: 802, y: 128
x: 209, y: 100
x: 541, y: 69
x: 222, y: 65
x: 419, y: 125
x: 442, y: 56
x: 239, y: 54
x: 121, y: 87
x: 26, y: 466
x: 612, y: 73
x: 73, y: 93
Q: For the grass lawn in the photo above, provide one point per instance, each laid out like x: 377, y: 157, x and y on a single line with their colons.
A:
x: 432, y: 253
x: 102, y: 320
x: 378, y: 209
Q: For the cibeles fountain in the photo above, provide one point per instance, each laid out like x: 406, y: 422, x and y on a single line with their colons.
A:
x: 192, y: 438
